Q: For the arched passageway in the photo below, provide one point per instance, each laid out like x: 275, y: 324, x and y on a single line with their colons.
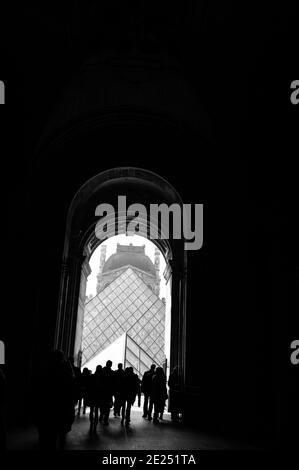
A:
x: 139, y: 186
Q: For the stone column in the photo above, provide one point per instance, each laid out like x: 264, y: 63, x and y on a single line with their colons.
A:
x: 68, y: 302
x: 85, y: 271
x: 178, y: 317
x: 59, y: 342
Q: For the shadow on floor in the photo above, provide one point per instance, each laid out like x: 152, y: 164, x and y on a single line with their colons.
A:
x: 141, y: 435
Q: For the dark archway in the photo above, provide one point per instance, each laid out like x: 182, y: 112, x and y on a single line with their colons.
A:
x: 138, y: 185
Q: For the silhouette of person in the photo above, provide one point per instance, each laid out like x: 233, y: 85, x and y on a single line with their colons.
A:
x: 56, y: 402
x: 146, y: 389
x: 130, y: 386
x: 2, y: 410
x: 118, y: 380
x: 138, y: 388
x: 159, y: 393
x: 95, y: 397
x: 173, y: 384
x: 77, y: 374
x: 83, y: 390
x: 107, y: 391
x: 76, y: 370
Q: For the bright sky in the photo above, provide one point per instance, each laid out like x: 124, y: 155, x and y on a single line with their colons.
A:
x: 111, y: 244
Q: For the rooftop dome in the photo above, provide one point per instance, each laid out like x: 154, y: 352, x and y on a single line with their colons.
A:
x: 130, y: 255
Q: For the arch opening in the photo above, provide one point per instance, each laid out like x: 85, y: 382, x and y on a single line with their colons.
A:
x: 140, y: 186
x: 127, y: 306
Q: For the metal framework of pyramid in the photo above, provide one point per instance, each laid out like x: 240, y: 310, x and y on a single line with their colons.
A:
x: 127, y: 305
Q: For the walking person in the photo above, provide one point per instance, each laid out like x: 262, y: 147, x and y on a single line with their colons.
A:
x: 107, y: 391
x: 56, y: 400
x: 77, y: 374
x: 146, y: 389
x: 129, y: 393
x: 159, y: 394
x: 118, y: 381
x: 95, y: 397
x: 83, y: 388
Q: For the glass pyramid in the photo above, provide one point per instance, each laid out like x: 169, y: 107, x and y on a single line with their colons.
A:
x: 127, y: 305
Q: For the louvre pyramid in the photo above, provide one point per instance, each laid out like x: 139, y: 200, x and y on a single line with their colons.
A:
x: 126, y: 305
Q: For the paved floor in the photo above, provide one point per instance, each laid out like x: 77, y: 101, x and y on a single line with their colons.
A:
x: 141, y: 435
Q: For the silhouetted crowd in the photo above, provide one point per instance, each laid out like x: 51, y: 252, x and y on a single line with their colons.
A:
x: 63, y: 389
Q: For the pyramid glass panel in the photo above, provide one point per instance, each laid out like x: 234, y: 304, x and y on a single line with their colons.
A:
x: 127, y: 304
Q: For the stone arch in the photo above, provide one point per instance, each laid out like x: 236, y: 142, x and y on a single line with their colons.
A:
x: 80, y: 243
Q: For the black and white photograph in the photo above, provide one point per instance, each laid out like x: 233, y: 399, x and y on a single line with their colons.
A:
x: 149, y: 227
